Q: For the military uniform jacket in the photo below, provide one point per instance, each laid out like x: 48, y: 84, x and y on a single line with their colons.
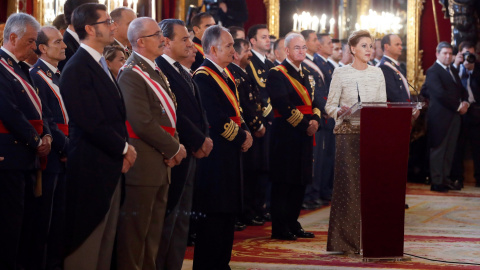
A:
x: 218, y: 187
x: 396, y: 91
x: 72, y: 47
x: 258, y: 72
x: 199, y: 57
x: 125, y: 50
x: 97, y: 135
x: 291, y: 148
x: 146, y: 115
x: 192, y: 126
x: 45, y: 80
x: 19, y: 146
x: 326, y: 68
x: 249, y: 98
x: 445, y: 95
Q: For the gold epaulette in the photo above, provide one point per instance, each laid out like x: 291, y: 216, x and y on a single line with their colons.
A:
x: 267, y: 110
x: 259, y: 80
x: 201, y: 72
x: 316, y: 111
x: 231, y: 130
x: 296, y: 118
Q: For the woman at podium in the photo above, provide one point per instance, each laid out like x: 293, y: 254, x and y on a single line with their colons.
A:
x: 358, y: 82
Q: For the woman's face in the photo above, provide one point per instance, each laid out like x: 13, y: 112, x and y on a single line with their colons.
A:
x: 363, y: 50
x: 117, y: 62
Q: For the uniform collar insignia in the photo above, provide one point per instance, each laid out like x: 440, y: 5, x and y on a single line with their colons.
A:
x: 49, y: 74
x: 9, y: 61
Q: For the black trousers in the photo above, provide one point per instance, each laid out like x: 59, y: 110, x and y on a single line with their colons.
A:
x: 213, y: 247
x: 12, y: 193
x: 285, y: 206
x: 469, y: 134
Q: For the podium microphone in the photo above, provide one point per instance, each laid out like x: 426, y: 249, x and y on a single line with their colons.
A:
x: 413, y: 89
x: 358, y: 94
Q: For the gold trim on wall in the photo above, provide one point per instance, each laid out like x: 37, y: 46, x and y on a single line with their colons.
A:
x: 180, y: 10
x: 273, y: 16
x: 415, y: 73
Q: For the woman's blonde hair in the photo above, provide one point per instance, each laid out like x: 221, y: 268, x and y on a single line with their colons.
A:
x: 355, y: 37
x: 110, y: 52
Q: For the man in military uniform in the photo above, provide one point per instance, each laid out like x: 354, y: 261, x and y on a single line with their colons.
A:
x: 151, y: 125
x: 325, y: 161
x: 292, y: 87
x: 257, y: 69
x: 218, y: 189
x: 122, y: 17
x: 46, y: 77
x: 279, y: 51
x: 200, y: 23
x: 254, y: 192
x: 24, y: 136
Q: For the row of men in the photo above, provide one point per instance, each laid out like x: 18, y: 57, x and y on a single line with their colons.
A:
x: 155, y: 111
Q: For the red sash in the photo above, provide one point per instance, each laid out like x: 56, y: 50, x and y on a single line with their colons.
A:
x: 237, y: 120
x: 37, y: 125
x: 132, y: 134
x: 63, y: 128
x: 303, y: 109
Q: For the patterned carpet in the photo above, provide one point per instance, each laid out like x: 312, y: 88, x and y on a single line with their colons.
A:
x: 445, y: 227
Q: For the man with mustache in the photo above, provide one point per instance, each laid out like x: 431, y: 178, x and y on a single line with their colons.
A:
x: 99, y: 152
x: 152, y: 128
x: 250, y: 101
x: 45, y: 74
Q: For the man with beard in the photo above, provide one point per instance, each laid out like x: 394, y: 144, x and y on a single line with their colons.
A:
x: 99, y: 152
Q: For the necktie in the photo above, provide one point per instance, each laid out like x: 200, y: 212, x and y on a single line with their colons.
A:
x: 187, y: 77
x: 104, y: 65
x: 453, y: 77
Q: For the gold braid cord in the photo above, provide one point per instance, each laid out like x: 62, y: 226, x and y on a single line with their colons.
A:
x: 295, y: 118
x: 231, y: 131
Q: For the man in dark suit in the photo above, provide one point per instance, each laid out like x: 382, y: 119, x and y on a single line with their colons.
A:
x: 448, y: 100
x: 192, y: 127
x: 325, y: 139
x: 99, y: 151
x: 152, y: 122
x: 70, y: 37
x: 469, y: 73
x: 200, y: 23
x: 258, y: 68
x: 250, y: 102
x: 233, y: 12
x: 313, y: 192
x: 292, y: 87
x: 122, y: 17
x: 24, y: 136
x: 218, y: 189
x: 395, y: 76
x: 47, y: 244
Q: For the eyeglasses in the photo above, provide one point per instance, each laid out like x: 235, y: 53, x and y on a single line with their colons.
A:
x: 157, y: 34
x: 107, y: 22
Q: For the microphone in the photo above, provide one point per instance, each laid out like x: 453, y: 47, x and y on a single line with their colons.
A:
x: 413, y: 89
x: 358, y: 94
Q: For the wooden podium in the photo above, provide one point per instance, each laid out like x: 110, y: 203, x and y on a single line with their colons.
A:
x: 384, y: 146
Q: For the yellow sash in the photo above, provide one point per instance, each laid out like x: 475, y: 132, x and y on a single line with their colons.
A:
x: 223, y: 84
x: 199, y: 48
x: 301, y: 90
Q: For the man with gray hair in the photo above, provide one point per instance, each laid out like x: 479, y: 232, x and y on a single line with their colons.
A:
x: 218, y: 189
x: 151, y: 124
x: 448, y: 100
x: 24, y: 136
x: 122, y: 17
x: 47, y: 241
x: 293, y: 89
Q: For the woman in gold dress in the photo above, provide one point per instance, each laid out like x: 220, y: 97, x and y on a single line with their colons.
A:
x: 350, y: 84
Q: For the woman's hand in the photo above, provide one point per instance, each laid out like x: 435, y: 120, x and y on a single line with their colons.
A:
x: 342, y: 110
